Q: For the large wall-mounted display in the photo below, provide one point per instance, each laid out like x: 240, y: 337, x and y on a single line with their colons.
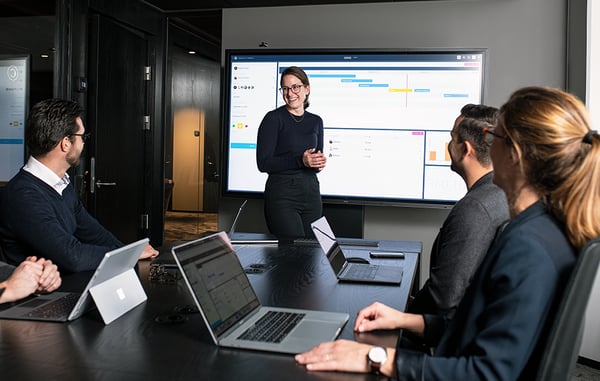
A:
x: 387, y: 118
x: 14, y: 98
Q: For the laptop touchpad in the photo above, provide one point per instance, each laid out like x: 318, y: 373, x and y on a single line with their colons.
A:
x: 315, y: 328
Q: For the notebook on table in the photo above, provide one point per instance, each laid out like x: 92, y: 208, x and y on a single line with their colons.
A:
x: 231, y: 310
x: 114, y: 289
x: 351, y: 271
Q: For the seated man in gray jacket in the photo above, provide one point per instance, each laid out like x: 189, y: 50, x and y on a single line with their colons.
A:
x: 471, y: 225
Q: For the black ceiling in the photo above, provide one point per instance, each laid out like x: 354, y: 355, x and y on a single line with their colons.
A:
x: 21, y: 8
x: 204, y: 16
x: 26, y: 25
x: 201, y: 16
x: 178, y: 5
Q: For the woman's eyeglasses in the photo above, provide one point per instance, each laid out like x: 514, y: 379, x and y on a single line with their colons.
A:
x: 294, y: 88
x: 489, y: 135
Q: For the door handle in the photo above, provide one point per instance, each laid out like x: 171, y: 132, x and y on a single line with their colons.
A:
x: 92, y: 174
x: 101, y: 184
x: 96, y: 184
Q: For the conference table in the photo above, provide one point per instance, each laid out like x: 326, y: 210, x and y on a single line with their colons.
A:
x: 165, y: 339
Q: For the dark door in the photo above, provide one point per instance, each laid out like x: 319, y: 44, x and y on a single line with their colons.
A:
x: 117, y: 108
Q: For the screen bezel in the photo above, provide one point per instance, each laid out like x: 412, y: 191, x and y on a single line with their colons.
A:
x: 332, y: 199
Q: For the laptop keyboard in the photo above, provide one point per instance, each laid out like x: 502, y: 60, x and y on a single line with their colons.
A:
x: 273, y: 327
x: 361, y: 272
x: 55, y: 309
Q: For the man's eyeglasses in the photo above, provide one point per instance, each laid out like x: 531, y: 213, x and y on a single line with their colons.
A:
x: 294, y: 88
x: 85, y: 137
x: 489, y: 135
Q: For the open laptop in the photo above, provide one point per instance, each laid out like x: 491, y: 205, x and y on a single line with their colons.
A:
x: 351, y: 271
x: 248, y: 238
x: 231, y: 310
x: 114, y: 288
x: 236, y: 219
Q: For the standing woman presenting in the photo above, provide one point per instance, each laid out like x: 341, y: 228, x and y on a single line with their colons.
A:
x: 290, y: 149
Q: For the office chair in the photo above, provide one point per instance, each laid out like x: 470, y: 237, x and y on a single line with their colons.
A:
x: 564, y: 341
x: 2, y: 256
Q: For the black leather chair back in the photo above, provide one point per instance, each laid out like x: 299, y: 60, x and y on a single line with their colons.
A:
x: 2, y: 256
x: 564, y: 342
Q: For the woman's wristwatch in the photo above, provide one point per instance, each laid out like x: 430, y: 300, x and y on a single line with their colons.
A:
x: 376, y: 357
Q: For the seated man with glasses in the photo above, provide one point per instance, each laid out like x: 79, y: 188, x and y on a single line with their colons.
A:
x: 40, y: 213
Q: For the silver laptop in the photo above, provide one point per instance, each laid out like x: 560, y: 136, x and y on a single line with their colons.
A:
x: 231, y: 310
x: 236, y: 219
x: 348, y: 271
x: 248, y: 238
x: 114, y: 288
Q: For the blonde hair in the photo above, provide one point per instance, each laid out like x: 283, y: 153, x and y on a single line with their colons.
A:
x: 560, y: 155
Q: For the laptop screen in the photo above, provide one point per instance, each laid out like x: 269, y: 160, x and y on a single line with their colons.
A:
x: 218, y: 280
x: 236, y: 219
x: 336, y: 258
x: 328, y: 243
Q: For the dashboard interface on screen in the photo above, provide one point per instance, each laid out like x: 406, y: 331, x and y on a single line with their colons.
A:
x: 14, y: 93
x: 387, y: 119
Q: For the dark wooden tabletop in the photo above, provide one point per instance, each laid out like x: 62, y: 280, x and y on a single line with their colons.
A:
x: 165, y: 339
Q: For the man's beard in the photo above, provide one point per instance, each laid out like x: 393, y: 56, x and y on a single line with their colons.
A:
x: 74, y: 160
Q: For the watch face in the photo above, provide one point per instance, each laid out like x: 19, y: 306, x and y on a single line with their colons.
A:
x: 378, y: 355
